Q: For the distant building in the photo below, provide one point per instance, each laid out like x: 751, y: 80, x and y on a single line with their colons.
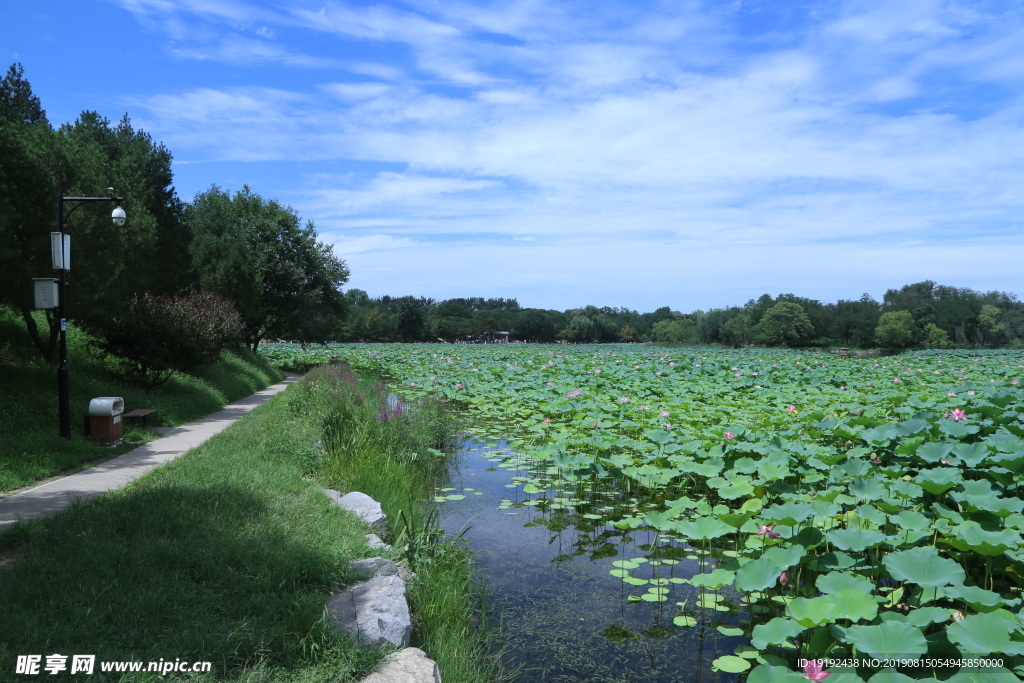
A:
x: 496, y: 337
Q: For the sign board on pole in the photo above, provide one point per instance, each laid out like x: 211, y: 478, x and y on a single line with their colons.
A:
x: 46, y: 292
x: 61, y: 257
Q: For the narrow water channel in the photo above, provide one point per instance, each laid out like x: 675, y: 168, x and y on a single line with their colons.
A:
x: 547, y: 559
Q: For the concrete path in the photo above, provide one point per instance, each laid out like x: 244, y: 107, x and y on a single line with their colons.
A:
x: 58, y: 494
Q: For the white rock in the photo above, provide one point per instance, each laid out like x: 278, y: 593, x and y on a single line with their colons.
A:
x: 374, y: 613
x: 374, y: 541
x: 367, y: 508
x: 410, y: 665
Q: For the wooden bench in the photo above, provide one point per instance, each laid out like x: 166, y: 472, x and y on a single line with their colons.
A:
x: 136, y: 414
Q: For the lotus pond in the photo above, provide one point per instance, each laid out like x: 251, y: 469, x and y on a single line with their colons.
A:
x: 848, y: 519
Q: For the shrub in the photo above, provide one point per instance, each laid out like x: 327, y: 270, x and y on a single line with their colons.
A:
x: 160, y: 335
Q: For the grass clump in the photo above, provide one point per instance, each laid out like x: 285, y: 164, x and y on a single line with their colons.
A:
x: 374, y: 443
x: 30, y: 446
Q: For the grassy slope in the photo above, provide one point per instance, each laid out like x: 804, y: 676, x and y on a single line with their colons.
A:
x: 30, y: 447
x: 226, y: 554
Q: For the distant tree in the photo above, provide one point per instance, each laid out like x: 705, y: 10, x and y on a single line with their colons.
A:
x: 534, y: 325
x: 627, y: 334
x: 737, y: 330
x: 409, y: 318
x: 255, y: 252
x: 935, y: 337
x: 895, y: 329
x: 990, y: 329
x: 676, y: 331
x: 785, y: 323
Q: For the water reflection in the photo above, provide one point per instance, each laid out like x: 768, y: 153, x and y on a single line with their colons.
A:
x: 566, y: 618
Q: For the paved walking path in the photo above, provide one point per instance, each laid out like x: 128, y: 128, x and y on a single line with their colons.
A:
x: 58, y: 494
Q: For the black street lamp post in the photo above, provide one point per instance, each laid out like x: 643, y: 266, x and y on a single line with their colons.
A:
x: 64, y: 372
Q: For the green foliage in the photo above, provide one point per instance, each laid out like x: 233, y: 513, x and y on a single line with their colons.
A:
x: 935, y: 337
x: 30, y: 445
x: 895, y: 329
x: 159, y: 335
x: 254, y: 252
x: 785, y: 323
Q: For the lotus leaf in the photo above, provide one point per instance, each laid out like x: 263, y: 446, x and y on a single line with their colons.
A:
x: 758, y: 575
x: 926, y: 616
x: 833, y: 582
x: 867, y: 489
x: 939, y: 479
x: 790, y: 514
x: 784, y: 556
x: 810, y: 612
x: 775, y: 632
x: 889, y: 639
x: 970, y: 535
x: 767, y: 673
x: 730, y: 664
x: 934, y: 451
x: 980, y: 634
x: 714, y: 580
x: 971, y: 454
x: 977, y: 597
x: 702, y: 528
x: 924, y: 567
x: 855, y: 539
x: 881, y: 436
x: 853, y: 604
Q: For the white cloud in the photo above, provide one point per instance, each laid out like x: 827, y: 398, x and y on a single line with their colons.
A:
x: 658, y: 144
x: 247, y: 52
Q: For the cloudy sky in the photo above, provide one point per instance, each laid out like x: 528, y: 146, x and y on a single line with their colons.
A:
x: 638, y: 154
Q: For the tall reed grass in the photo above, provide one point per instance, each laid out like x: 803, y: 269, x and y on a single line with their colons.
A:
x: 394, y: 452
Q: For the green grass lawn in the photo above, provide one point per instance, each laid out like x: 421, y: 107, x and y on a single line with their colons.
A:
x: 228, y: 554
x: 30, y: 446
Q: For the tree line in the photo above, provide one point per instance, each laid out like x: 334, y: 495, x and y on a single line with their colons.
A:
x: 180, y: 279
x: 920, y: 314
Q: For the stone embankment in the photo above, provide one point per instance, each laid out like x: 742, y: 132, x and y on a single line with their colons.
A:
x: 375, y: 612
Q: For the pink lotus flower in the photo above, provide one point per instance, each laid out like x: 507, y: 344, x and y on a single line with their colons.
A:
x: 623, y: 400
x: 784, y: 578
x: 458, y: 386
x: 412, y: 384
x: 971, y: 393
x: 730, y: 436
x: 791, y: 409
x: 547, y: 419
x: 763, y: 530
x: 645, y: 407
x: 595, y: 424
x: 572, y: 394
x: 432, y: 379
x: 952, y: 393
x: 658, y: 374
x: 663, y: 413
x: 1015, y: 382
x: 946, y: 462
x: 551, y: 384
x: 813, y: 670
x: 896, y: 380
x: 958, y: 415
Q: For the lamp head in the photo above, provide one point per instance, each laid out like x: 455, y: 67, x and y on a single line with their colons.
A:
x: 118, y: 216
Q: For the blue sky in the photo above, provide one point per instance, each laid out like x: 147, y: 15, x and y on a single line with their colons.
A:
x: 637, y: 154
